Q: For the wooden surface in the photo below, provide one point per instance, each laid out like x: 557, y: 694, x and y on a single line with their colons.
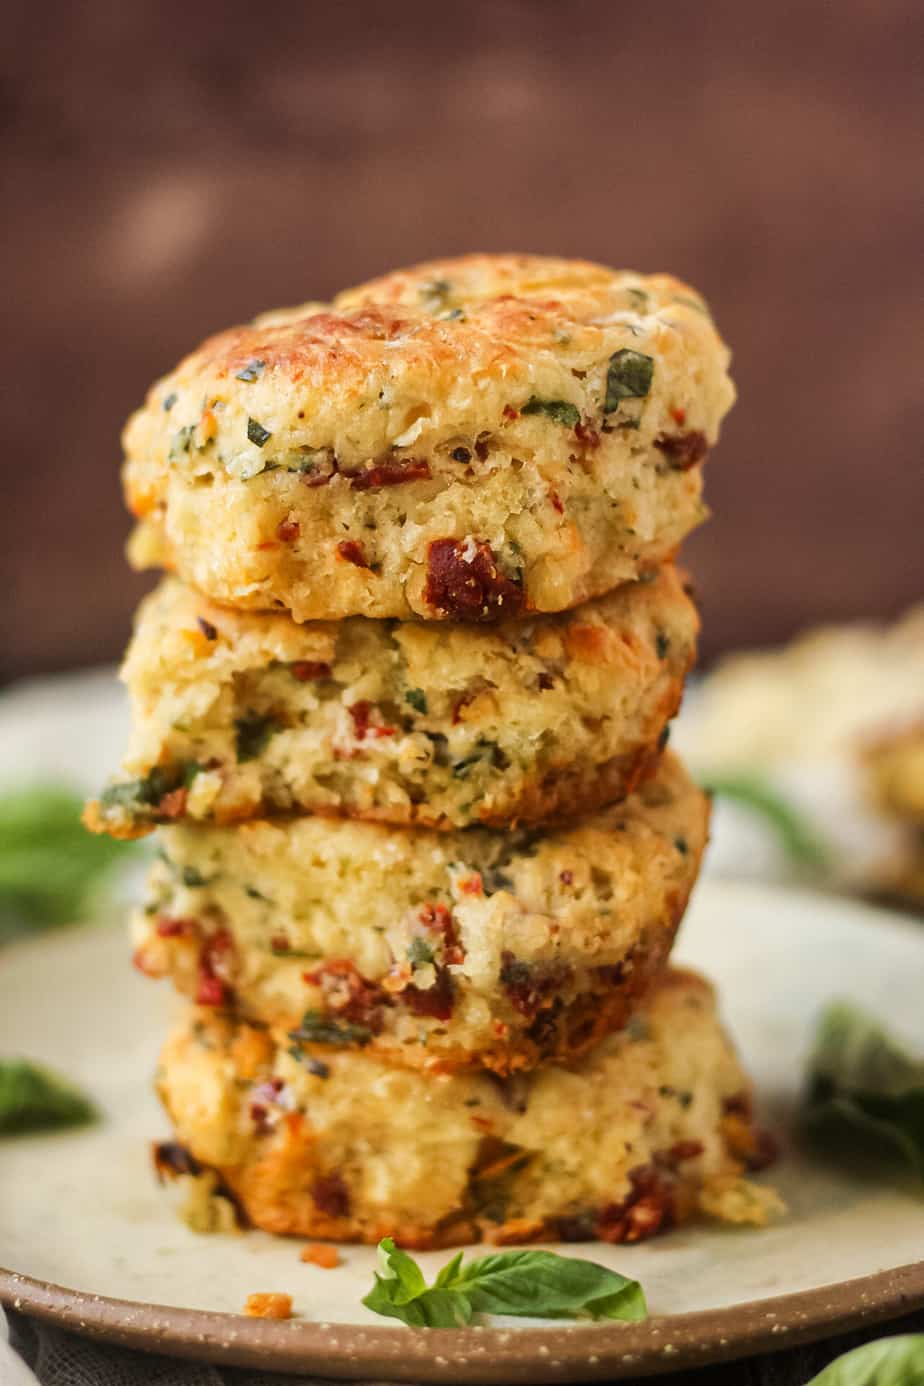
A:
x: 171, y: 168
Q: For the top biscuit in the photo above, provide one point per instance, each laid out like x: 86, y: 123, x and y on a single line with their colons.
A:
x: 466, y: 440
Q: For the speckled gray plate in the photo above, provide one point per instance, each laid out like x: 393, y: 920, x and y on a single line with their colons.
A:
x: 81, y: 1210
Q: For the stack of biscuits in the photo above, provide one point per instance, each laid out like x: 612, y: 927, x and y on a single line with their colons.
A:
x: 400, y: 716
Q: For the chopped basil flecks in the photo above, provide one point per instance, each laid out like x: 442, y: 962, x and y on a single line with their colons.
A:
x: 181, y: 441
x: 143, y: 793
x: 628, y: 376
x: 257, y: 433
x: 253, y: 733
x: 192, y: 877
x: 317, y: 1028
x: 169, y: 401
x: 417, y: 699
x: 484, y: 751
x: 419, y: 951
x: 558, y: 409
x: 252, y: 371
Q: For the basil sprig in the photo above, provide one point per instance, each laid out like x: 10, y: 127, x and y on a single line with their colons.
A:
x: 863, y: 1088
x: 795, y: 834
x: 888, y: 1362
x: 35, y: 1099
x: 527, y: 1284
x: 49, y: 864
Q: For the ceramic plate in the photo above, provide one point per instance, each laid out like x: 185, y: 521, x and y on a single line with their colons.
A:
x: 81, y: 1210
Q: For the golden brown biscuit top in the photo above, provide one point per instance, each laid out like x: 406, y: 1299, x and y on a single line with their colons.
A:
x: 465, y: 342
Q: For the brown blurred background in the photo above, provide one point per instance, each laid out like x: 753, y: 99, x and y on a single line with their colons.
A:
x: 172, y: 168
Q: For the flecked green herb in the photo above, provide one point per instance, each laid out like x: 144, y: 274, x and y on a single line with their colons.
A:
x: 628, y: 376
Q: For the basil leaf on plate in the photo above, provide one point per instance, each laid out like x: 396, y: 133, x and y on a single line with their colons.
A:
x: 863, y: 1085
x: 33, y: 1098
x: 49, y: 863
x: 541, y: 1284
x: 888, y: 1362
x: 531, y: 1284
x: 796, y: 835
x: 400, y: 1292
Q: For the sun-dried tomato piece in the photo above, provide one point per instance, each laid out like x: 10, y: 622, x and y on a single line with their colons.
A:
x: 331, y: 1195
x: 683, y: 450
x: 438, y: 920
x: 351, y: 552
x: 347, y: 993
x: 587, y: 435
x: 174, y: 928
x: 529, y: 986
x: 464, y: 582
x: 685, y: 1150
x: 648, y: 1208
x: 363, y: 726
x: 766, y: 1151
x: 739, y: 1104
x: 389, y: 474
x: 215, y: 957
x: 307, y: 670
x: 173, y: 804
x: 321, y: 1254
x: 288, y: 531
x: 437, y: 1001
x: 268, y: 1306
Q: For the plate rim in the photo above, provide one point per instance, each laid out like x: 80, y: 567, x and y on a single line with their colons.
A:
x: 571, y: 1353
x: 577, y: 1352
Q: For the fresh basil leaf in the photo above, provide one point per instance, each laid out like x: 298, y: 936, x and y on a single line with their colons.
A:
x: 628, y: 376
x: 35, y: 1099
x: 541, y: 1284
x: 558, y: 409
x: 862, y: 1087
x: 888, y: 1362
x: 433, y: 1309
x: 49, y: 863
x: 531, y: 1284
x: 400, y: 1292
x: 417, y: 699
x: 796, y: 836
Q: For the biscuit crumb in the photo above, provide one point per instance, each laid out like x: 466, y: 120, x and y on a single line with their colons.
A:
x: 321, y: 1254
x: 264, y: 1306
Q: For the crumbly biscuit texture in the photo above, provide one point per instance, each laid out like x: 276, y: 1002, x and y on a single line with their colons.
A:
x: 237, y: 715
x: 434, y: 950
x: 651, y: 1127
x: 465, y: 440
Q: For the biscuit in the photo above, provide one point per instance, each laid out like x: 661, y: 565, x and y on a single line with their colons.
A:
x: 439, y: 951
x: 243, y: 714
x: 466, y: 440
x: 651, y: 1127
